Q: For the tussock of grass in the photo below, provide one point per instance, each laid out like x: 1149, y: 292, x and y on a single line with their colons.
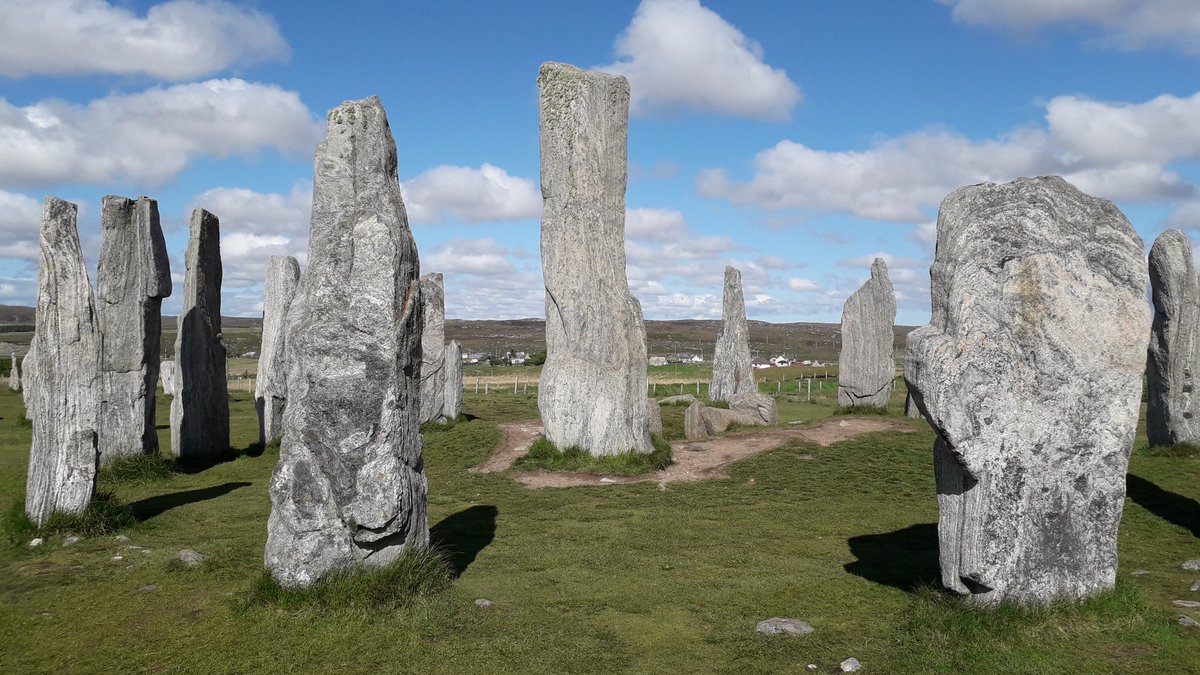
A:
x: 105, y: 515
x: 23, y: 422
x: 859, y: 410
x: 1181, y: 450
x: 447, y: 425
x: 137, y: 469
x: 543, y: 455
x: 417, y: 572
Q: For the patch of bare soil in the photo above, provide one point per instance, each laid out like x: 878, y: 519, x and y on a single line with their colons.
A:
x: 693, y: 460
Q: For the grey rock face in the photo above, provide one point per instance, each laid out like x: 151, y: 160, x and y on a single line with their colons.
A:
x: 866, y: 366
x: 733, y: 372
x: 132, y: 277
x: 717, y: 420
x: 1029, y: 371
x: 14, y: 375
x: 910, y: 407
x: 350, y: 486
x: 760, y: 407
x: 777, y: 625
x: 64, y: 376
x: 200, y: 408
x: 693, y: 422
x: 452, y: 398
x: 1173, y: 359
x: 654, y: 423
x: 270, y: 386
x: 166, y: 372
x: 433, y: 348
x: 592, y: 393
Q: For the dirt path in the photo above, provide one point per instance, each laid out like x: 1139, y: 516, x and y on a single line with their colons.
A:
x: 694, y: 460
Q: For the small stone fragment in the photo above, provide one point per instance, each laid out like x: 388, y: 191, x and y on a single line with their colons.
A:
x: 148, y: 588
x: 1195, y: 586
x: 452, y: 404
x: 270, y: 385
x: 190, y: 557
x: 1185, y: 603
x: 866, y: 367
x: 1188, y: 622
x: 1191, y: 565
x: 732, y: 366
x: 777, y: 625
x: 118, y: 558
x: 433, y: 348
x: 1139, y: 573
x: 850, y: 665
x: 71, y: 540
x: 484, y: 602
x: 120, y: 538
x: 811, y: 666
x: 35, y: 542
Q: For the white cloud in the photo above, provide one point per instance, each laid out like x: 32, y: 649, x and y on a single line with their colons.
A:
x: 151, y: 136
x: 1186, y: 217
x: 20, y: 220
x: 175, y: 40
x: 680, y: 54
x: 655, y: 225
x: 488, y: 193
x: 1161, y: 130
x: 803, y: 285
x: 270, y: 213
x: 1126, y: 24
x: 480, y: 257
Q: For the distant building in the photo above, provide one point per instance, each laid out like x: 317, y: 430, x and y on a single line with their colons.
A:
x: 781, y: 361
x: 759, y: 364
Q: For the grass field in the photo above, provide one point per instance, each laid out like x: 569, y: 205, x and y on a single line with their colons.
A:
x: 629, y: 578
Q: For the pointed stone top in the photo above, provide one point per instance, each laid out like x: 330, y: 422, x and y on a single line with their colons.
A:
x: 879, y: 268
x: 434, y: 277
x: 58, y: 220
x: 732, y: 273
x: 1171, y: 238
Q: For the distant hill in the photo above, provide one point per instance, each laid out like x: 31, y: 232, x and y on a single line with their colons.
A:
x: 10, y: 314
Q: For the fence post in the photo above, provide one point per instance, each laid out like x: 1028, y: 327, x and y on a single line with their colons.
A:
x: 485, y: 387
x: 779, y: 386
x: 476, y: 385
x: 515, y: 379
x: 810, y: 391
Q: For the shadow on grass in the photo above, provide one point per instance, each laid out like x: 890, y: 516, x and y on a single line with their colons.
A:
x: 152, y: 506
x: 463, y: 535
x: 192, y: 465
x: 905, y: 559
x: 1171, y: 507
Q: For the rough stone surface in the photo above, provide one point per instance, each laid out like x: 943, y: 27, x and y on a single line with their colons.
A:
x: 654, y: 418
x: 1191, y: 565
x: 1172, y: 409
x: 593, y: 385
x: 850, y: 665
x: 433, y: 348
x: 1190, y: 604
x: 760, y: 407
x: 1195, y: 586
x: 1030, y: 372
x: 777, y: 625
x: 63, y: 378
x: 200, y: 407
x: 14, y: 374
x: 190, y: 557
x: 167, y: 373
x: 133, y: 276
x: 732, y: 365
x: 866, y: 366
x: 484, y: 602
x: 693, y: 422
x: 350, y: 488
x: 270, y: 385
x: 676, y: 400
x: 717, y: 420
x: 452, y: 399
x: 1188, y: 622
x: 910, y: 407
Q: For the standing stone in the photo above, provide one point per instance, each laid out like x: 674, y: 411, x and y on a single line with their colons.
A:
x: 732, y: 367
x: 350, y: 486
x: 200, y: 408
x: 452, y: 406
x: 270, y: 386
x: 64, y: 376
x: 14, y: 375
x: 910, y: 407
x: 1030, y: 373
x: 167, y: 372
x: 1172, y: 414
x: 693, y: 421
x: 433, y: 348
x: 866, y: 366
x: 132, y: 277
x: 592, y: 393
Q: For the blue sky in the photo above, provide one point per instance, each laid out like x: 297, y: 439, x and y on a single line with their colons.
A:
x: 795, y: 139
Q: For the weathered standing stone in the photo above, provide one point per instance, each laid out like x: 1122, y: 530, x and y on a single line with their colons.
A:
x: 63, y: 378
x: 433, y: 348
x: 759, y: 407
x: 732, y: 366
x: 1173, y: 360
x: 866, y: 366
x: 592, y: 393
x: 654, y: 418
x: 166, y: 372
x: 200, y: 407
x: 350, y: 486
x: 14, y: 374
x: 1030, y: 373
x: 132, y: 277
x: 452, y: 399
x: 693, y: 422
x: 910, y: 407
x: 270, y: 385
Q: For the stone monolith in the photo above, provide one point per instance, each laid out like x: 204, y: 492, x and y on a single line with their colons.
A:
x: 433, y: 348
x: 63, y: 379
x: 200, y: 407
x: 732, y: 366
x: 167, y: 373
x: 270, y: 385
x: 349, y: 488
x: 452, y: 401
x: 910, y: 407
x: 592, y: 393
x: 1030, y: 373
x: 866, y: 366
x: 132, y: 278
x: 14, y: 374
x: 1172, y: 408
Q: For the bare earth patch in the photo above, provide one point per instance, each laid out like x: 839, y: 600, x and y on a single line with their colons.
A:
x: 693, y: 460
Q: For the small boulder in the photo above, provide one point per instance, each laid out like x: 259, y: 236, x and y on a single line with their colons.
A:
x: 777, y: 625
x: 36, y: 542
x: 1195, y: 586
x: 850, y: 665
x: 1185, y: 603
x: 1188, y: 622
x: 191, y: 558
x: 484, y: 602
x: 760, y: 406
x: 1191, y: 565
x: 148, y: 588
x: 693, y: 422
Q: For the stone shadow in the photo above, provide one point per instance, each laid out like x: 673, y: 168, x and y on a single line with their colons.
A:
x: 464, y: 534
x: 150, y: 507
x: 1171, y: 507
x: 905, y: 559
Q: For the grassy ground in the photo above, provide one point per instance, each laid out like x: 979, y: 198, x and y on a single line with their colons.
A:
x: 625, y: 578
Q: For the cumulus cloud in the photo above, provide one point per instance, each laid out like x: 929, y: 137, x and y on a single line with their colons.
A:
x: 151, y: 136
x: 488, y: 193
x: 175, y: 40
x: 654, y: 224
x: 679, y: 54
x: 1126, y: 24
x: 803, y: 285
x: 482, y: 280
x: 20, y: 219
x: 1186, y: 217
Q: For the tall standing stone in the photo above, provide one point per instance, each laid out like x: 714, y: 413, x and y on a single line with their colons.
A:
x: 1030, y: 373
x: 14, y: 374
x: 866, y: 366
x: 200, y: 407
x: 732, y: 366
x: 167, y: 372
x: 593, y: 385
x: 452, y: 406
x: 350, y: 486
x: 132, y: 277
x: 1173, y: 360
x: 64, y: 376
x: 433, y: 348
x: 270, y: 386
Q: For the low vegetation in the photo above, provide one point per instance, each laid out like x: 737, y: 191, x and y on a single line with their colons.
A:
x: 106, y: 514
x: 543, y: 455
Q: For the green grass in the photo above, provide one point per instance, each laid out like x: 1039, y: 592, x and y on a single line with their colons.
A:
x: 543, y: 455
x: 106, y: 514
x: 1177, y: 450
x: 136, y: 469
x: 860, y: 410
